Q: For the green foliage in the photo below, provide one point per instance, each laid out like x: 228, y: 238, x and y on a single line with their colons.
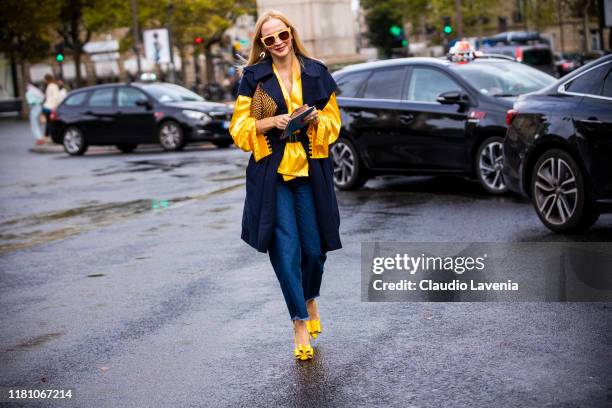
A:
x: 190, y: 18
x: 478, y: 15
x: 383, y: 19
x: 24, y: 30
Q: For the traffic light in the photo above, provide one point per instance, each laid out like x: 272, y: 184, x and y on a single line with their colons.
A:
x: 59, y: 52
x: 395, y: 30
x: 399, y: 37
x: 447, y: 27
x: 198, y: 40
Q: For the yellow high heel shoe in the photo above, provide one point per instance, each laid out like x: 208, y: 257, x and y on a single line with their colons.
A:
x: 303, y: 352
x: 314, y: 327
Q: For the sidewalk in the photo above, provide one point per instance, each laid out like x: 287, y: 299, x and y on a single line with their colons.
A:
x: 48, y: 147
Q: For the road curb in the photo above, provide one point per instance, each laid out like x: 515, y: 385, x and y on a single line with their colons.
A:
x: 46, y: 149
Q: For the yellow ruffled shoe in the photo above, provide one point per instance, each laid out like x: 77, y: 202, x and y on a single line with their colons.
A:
x: 314, y: 327
x: 303, y: 352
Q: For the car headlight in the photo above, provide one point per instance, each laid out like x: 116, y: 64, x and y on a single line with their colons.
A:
x: 197, y: 115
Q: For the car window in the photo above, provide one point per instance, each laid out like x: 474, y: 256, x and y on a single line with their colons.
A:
x: 102, y: 98
x: 385, y: 84
x: 127, y: 97
x: 589, y: 82
x: 76, y: 99
x: 502, y: 78
x: 426, y: 84
x: 607, y: 85
x: 171, y: 93
x: 349, y: 85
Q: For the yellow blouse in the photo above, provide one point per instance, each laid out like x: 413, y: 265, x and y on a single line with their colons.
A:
x: 294, y: 162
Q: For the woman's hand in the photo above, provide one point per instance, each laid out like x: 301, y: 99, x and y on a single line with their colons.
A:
x: 281, y: 121
x: 312, y: 117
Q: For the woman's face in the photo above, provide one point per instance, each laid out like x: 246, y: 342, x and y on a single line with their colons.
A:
x: 279, y: 48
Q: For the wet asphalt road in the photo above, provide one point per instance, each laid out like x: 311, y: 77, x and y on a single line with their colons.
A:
x: 123, y: 277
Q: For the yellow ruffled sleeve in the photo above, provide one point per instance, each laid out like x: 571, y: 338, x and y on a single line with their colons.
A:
x: 326, y: 132
x: 243, y: 131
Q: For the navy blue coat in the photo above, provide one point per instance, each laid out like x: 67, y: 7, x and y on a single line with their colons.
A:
x: 261, y: 177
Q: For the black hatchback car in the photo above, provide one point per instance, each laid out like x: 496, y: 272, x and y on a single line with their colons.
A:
x: 427, y: 116
x: 558, y: 149
x: 126, y: 115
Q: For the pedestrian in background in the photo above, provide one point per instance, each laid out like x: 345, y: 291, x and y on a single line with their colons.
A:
x: 63, y: 91
x: 52, y: 99
x: 35, y: 98
x: 290, y: 209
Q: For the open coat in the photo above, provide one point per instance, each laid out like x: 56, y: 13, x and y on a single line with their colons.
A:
x: 261, y: 175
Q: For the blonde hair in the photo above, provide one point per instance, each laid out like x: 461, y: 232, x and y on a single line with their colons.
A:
x: 258, y: 50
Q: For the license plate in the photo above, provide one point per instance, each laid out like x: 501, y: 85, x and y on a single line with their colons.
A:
x: 226, y: 124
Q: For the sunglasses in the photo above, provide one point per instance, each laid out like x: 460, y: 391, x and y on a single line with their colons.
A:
x: 270, y: 40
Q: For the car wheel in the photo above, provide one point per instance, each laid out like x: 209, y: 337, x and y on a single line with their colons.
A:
x: 223, y: 144
x: 489, y: 161
x: 171, y: 136
x: 74, y: 141
x: 127, y: 147
x: 559, y: 193
x: 349, y: 174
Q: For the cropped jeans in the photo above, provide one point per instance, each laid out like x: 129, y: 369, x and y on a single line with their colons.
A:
x: 295, y: 251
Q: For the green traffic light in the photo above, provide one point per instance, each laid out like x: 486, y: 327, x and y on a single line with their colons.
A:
x: 404, y: 43
x: 448, y: 29
x: 395, y: 30
x: 59, y: 57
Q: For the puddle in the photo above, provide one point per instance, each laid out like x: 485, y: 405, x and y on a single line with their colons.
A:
x: 219, y: 209
x: 37, y: 341
x: 228, y: 178
x: 51, y: 226
x: 163, y: 165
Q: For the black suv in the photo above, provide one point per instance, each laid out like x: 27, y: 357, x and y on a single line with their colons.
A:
x: 126, y: 115
x: 427, y: 116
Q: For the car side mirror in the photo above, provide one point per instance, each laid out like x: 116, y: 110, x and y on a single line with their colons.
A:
x: 453, y: 97
x: 143, y: 102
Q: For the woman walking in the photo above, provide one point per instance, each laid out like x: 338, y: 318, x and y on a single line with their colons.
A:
x: 290, y: 209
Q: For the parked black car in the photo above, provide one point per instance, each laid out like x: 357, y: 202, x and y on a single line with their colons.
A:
x: 558, y: 148
x: 126, y: 115
x: 427, y: 116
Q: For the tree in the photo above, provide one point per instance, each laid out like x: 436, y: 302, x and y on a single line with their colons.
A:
x: 478, y: 16
x: 381, y: 16
x: 77, y: 20
x: 190, y: 18
x: 25, y: 34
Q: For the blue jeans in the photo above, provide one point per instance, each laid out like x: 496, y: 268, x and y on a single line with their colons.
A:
x: 295, y: 251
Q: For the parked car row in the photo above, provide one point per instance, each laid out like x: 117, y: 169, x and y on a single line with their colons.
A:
x: 499, y: 121
x: 507, y: 125
x: 126, y: 115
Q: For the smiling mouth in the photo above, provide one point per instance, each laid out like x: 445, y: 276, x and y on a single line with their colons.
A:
x: 282, y: 47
